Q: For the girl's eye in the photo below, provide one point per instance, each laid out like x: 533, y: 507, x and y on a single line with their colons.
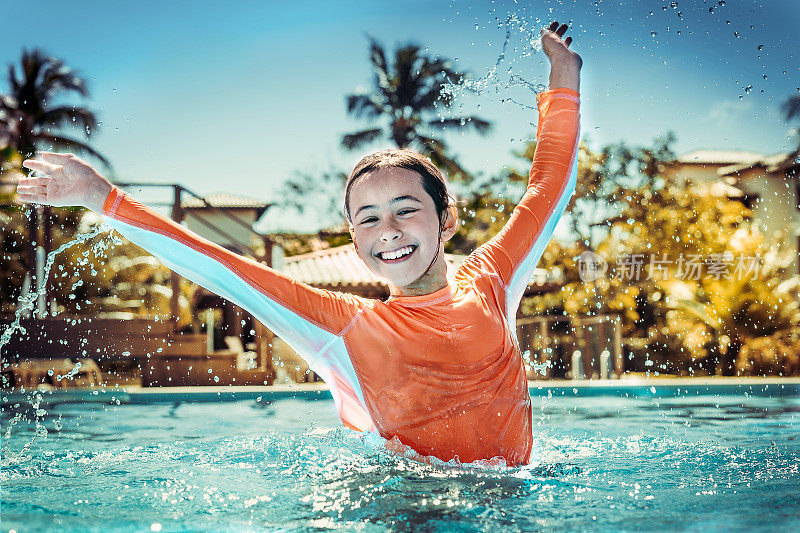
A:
x: 370, y: 220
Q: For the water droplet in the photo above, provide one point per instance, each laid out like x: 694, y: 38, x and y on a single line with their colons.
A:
x: 748, y: 88
x: 760, y: 46
x: 653, y: 33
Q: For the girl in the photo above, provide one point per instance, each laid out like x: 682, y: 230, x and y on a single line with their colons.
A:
x: 437, y: 366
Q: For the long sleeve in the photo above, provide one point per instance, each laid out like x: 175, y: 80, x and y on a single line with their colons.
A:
x: 308, y: 319
x: 515, y: 251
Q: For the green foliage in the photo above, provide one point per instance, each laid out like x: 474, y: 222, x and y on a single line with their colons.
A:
x: 405, y: 95
x: 30, y: 117
x: 99, y: 277
x: 683, y: 324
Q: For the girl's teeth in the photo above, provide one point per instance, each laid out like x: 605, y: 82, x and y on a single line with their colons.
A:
x: 399, y: 253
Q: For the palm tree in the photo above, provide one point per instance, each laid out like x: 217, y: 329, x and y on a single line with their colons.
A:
x: 791, y: 110
x: 791, y: 107
x: 405, y: 93
x: 30, y: 120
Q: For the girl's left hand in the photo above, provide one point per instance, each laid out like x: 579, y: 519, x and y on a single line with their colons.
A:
x: 68, y: 181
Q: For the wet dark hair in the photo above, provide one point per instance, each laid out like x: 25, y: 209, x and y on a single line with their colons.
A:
x: 432, y: 180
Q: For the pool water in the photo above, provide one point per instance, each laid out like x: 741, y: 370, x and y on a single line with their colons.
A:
x: 701, y: 463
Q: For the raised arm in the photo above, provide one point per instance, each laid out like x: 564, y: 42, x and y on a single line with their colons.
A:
x: 308, y: 319
x: 514, y: 252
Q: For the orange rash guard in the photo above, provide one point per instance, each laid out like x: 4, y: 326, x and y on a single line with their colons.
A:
x: 440, y: 372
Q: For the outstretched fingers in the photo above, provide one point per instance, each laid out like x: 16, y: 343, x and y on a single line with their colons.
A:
x: 53, y: 157
x: 36, y: 181
x: 32, y: 189
x: 560, y: 31
x: 33, y: 198
x: 41, y: 166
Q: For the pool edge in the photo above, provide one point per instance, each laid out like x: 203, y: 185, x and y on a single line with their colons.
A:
x: 635, y: 388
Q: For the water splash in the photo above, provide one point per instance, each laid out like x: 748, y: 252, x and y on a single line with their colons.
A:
x: 244, y: 466
x: 26, y: 304
x: 500, y: 78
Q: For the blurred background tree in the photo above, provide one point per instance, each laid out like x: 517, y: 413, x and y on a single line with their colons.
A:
x: 89, y: 278
x: 31, y: 118
x: 405, y: 94
x: 672, y: 322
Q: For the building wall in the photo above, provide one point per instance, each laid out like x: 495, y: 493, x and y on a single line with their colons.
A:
x: 776, y: 209
x: 697, y: 173
x: 222, y: 222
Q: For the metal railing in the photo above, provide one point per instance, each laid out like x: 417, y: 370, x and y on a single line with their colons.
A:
x: 178, y: 213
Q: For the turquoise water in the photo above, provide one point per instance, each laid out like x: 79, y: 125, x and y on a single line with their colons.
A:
x: 703, y: 463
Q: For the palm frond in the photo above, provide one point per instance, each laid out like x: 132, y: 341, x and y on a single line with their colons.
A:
x: 702, y: 312
x: 364, y: 105
x: 478, y: 124
x: 791, y: 107
x: 427, y: 99
x: 356, y: 140
x: 377, y: 57
x: 409, y: 81
x: 437, y: 151
x: 59, y: 141
x: 68, y: 115
x: 58, y: 78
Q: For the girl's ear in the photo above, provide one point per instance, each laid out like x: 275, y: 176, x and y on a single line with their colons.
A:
x: 350, y: 228
x: 450, y: 223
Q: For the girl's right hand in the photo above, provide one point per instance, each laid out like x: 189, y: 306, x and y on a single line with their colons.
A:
x: 565, y: 64
x: 69, y: 181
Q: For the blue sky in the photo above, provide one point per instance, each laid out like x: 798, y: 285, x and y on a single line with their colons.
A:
x: 239, y: 97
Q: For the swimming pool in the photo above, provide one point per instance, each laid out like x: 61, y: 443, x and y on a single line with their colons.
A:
x: 684, y: 461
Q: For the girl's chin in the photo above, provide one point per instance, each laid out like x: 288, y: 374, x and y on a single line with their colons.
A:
x: 398, y: 281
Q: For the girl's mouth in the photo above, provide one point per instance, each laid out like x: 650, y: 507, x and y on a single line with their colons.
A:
x: 399, y: 255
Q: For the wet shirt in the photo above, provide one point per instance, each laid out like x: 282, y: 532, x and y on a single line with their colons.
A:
x: 442, y: 373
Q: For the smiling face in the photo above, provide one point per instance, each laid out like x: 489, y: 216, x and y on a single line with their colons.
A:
x: 395, y: 228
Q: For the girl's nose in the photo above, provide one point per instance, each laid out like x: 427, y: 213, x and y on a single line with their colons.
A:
x: 390, y: 232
